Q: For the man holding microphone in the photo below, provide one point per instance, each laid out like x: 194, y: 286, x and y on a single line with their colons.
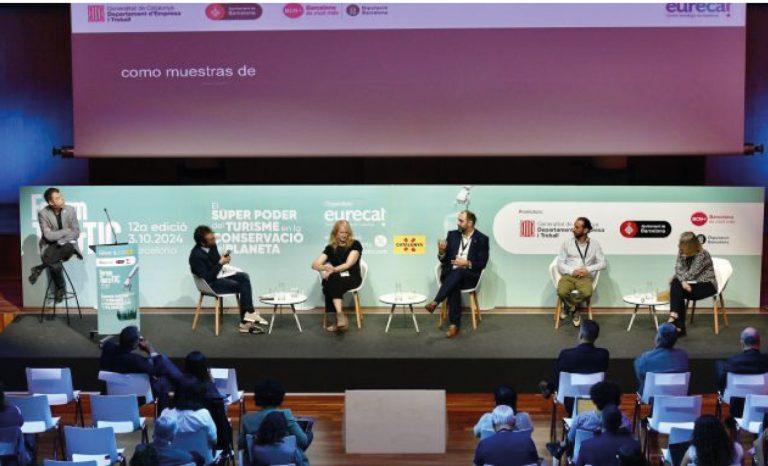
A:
x: 206, y: 263
x: 463, y: 254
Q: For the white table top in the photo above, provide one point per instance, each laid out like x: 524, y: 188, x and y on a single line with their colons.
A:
x: 282, y: 298
x: 644, y: 299
x: 404, y: 298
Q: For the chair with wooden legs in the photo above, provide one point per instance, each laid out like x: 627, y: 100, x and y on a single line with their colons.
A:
x: 555, y: 276
x: 205, y: 290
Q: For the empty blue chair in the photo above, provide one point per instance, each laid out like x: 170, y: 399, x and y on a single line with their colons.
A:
x: 37, y: 416
x: 92, y: 444
x: 195, y: 442
x: 69, y: 463
x: 121, y: 412
x: 127, y: 384
x: 12, y: 445
x: 56, y: 383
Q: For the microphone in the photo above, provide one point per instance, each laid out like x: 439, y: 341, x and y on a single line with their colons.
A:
x: 109, y: 220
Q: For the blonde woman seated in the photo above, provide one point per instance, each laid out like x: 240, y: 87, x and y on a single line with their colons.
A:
x: 339, y: 267
x: 694, y: 278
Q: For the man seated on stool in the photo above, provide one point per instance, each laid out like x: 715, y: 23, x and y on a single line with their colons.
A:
x: 749, y: 361
x: 584, y: 358
x: 60, y: 231
x: 206, y: 263
x: 506, y: 447
x: 579, y: 261
x: 665, y: 358
x: 463, y: 254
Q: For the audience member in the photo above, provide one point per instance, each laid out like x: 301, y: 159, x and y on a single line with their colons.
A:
x: 584, y: 358
x: 10, y: 416
x: 749, y: 361
x: 188, y: 411
x: 631, y: 455
x: 123, y: 359
x: 664, y: 358
x: 273, y: 444
x: 504, y: 395
x: 268, y: 396
x: 602, y: 394
x: 196, y: 367
x: 163, y: 454
x: 603, y: 449
x: 506, y: 447
x: 711, y: 445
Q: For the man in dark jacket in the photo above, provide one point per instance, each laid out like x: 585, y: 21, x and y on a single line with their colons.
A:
x: 749, y: 361
x: 206, y: 263
x: 584, y: 358
x: 602, y: 450
x: 506, y: 447
x: 123, y: 359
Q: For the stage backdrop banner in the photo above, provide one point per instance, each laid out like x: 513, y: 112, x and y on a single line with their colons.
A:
x: 275, y: 232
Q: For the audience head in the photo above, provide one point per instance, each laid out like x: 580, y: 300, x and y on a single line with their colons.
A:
x: 750, y: 338
x: 605, y: 393
x: 273, y: 428
x: 129, y: 338
x: 268, y: 392
x: 666, y: 336
x: 505, y: 395
x: 611, y: 418
x: 189, y: 395
x: 631, y: 455
x: 589, y: 331
x: 165, y: 429
x: 713, y: 446
x: 689, y: 244
x: 196, y: 364
x: 145, y: 456
x: 204, y: 236
x: 503, y: 417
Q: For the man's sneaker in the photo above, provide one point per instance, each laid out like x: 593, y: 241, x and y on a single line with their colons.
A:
x: 254, y: 316
x: 576, y: 318
x: 245, y: 327
x: 563, y: 312
x: 256, y: 330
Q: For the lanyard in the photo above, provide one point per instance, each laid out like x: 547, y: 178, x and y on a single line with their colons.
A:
x: 586, y: 251
x: 464, y: 245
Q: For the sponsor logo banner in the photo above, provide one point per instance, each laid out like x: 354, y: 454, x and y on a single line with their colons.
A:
x: 410, y: 244
x: 635, y: 228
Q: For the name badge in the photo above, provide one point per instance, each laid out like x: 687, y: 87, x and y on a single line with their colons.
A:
x: 344, y: 274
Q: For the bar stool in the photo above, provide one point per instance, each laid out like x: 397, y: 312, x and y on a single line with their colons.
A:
x: 69, y: 293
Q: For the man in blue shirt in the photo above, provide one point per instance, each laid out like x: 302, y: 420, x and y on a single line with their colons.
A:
x: 665, y: 358
x: 506, y: 447
x: 603, y: 449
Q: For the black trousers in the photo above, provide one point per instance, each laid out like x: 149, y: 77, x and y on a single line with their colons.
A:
x: 237, y: 283
x: 335, y: 286
x: 454, y: 281
x: 52, y: 258
x: 677, y: 296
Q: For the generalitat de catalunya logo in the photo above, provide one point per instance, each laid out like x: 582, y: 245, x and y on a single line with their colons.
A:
x: 527, y: 228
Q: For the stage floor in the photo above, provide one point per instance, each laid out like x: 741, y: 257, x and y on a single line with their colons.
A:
x: 504, y: 348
